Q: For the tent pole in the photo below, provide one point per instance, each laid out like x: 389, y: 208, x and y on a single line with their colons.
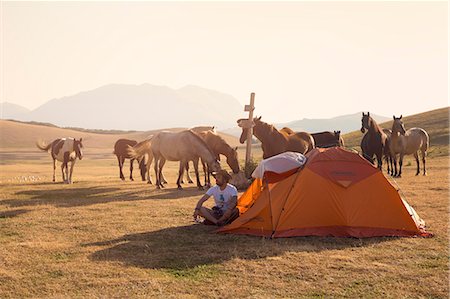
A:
x: 282, y: 209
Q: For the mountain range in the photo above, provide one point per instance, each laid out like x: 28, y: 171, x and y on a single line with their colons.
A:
x: 151, y: 107
x: 134, y: 107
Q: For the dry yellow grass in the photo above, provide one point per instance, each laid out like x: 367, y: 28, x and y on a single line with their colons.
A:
x: 102, y: 237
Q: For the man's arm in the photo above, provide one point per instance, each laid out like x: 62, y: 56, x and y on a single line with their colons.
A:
x: 199, y: 205
x: 229, y: 211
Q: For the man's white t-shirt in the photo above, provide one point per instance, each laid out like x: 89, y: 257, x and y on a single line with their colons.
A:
x: 222, y: 197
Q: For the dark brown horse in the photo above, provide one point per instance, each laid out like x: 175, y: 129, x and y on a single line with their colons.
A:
x: 121, y: 151
x: 274, y: 142
x: 321, y: 139
x: 64, y: 150
x: 374, y: 140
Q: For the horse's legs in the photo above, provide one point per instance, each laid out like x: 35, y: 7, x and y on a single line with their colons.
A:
x: 206, y: 172
x: 54, y: 169
x: 400, y: 164
x: 162, y: 161
x: 188, y: 176
x: 72, y: 163
x: 379, y: 156
x: 131, y: 169
x: 199, y: 185
x: 62, y: 172
x: 416, y: 156
x: 424, y: 154
x: 120, y: 159
x: 142, y: 168
x: 158, y: 181
x: 394, y: 161
x: 146, y: 169
x: 180, y: 174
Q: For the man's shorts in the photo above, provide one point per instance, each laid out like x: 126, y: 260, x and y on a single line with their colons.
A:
x: 217, y: 213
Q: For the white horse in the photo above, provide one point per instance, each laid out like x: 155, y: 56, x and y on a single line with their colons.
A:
x: 408, y: 142
x: 64, y: 150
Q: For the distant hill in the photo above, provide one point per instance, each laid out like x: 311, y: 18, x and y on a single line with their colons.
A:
x: 435, y: 122
x: 136, y: 107
x: 14, y: 134
x: 13, y: 111
x: 344, y: 123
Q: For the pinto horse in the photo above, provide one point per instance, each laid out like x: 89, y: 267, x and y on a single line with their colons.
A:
x: 408, y: 142
x: 181, y: 146
x: 121, y: 151
x: 374, y: 140
x: 274, y: 142
x: 64, y: 150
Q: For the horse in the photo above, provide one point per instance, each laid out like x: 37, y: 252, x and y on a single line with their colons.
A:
x: 121, y: 151
x: 64, y: 150
x: 274, y: 142
x: 218, y: 146
x: 321, y: 139
x: 181, y: 146
x: 198, y: 129
x: 374, y: 140
x: 408, y: 142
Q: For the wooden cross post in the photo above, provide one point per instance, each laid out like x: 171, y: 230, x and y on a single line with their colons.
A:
x: 250, y: 109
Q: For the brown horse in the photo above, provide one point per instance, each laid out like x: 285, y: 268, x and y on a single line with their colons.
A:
x: 64, y: 150
x: 321, y: 139
x: 121, y: 151
x: 408, y: 142
x: 218, y: 146
x: 181, y: 146
x: 274, y: 142
x: 374, y: 140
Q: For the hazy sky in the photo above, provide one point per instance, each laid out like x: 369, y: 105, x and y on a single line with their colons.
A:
x: 302, y: 59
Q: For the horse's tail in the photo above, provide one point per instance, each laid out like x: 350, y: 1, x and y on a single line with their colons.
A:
x: 140, y: 151
x: 42, y: 145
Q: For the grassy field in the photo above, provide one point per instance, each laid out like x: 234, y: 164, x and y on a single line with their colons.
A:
x: 102, y: 237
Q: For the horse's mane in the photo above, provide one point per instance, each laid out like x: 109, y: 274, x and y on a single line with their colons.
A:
x: 200, y: 140
x: 269, y: 126
x: 375, y: 124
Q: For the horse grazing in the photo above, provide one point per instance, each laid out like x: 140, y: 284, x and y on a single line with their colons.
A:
x: 321, y: 139
x: 218, y: 146
x: 121, y: 151
x: 181, y: 146
x: 64, y: 150
x: 374, y: 140
x: 274, y: 142
x: 198, y: 129
x: 406, y: 143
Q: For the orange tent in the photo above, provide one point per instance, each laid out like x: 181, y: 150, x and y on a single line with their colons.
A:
x: 336, y: 193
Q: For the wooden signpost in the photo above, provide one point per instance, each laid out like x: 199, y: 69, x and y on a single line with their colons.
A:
x: 249, y: 125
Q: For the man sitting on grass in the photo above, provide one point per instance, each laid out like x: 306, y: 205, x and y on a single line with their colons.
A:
x: 225, y: 198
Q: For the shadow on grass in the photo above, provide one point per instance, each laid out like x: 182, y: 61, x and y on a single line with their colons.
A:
x: 14, y: 213
x: 187, y: 247
x: 72, y: 196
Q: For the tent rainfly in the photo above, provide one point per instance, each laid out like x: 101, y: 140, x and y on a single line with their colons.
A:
x: 335, y: 193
